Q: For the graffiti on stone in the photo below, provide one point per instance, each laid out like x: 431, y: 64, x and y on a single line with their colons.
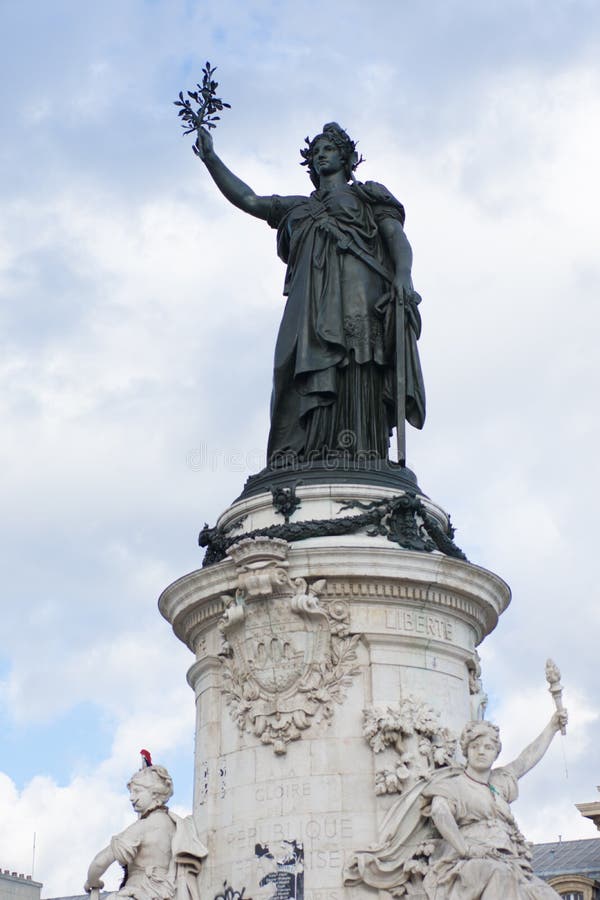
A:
x: 281, y: 868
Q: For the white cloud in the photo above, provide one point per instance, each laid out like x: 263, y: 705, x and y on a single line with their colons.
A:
x: 138, y: 322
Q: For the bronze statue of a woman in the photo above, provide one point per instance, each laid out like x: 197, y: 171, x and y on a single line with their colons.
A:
x: 342, y: 379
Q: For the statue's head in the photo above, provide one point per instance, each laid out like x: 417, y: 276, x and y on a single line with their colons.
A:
x: 150, y: 788
x: 335, y: 134
x: 474, y: 731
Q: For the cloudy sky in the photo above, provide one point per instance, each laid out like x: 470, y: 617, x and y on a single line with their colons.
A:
x: 137, y: 322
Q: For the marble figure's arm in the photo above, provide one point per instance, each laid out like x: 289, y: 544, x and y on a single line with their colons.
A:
x: 444, y: 821
x: 532, y: 754
x: 233, y: 188
x: 98, y: 867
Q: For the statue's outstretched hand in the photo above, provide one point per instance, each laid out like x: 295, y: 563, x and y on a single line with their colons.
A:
x: 559, y: 720
x: 93, y: 883
x: 204, y: 143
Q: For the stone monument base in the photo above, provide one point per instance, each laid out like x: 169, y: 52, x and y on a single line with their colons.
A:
x: 335, y: 629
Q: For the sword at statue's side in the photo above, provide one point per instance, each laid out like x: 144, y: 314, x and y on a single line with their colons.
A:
x: 401, y: 376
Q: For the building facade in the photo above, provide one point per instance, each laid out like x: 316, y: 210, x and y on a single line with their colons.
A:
x: 16, y: 886
x: 571, y: 867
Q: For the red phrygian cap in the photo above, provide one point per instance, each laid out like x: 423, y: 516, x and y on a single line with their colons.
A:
x: 146, y: 758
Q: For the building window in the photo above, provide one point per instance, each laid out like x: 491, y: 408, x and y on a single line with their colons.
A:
x: 572, y: 895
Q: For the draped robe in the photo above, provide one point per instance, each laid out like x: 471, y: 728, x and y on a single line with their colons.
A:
x: 161, y: 854
x: 411, y: 850
x: 335, y: 357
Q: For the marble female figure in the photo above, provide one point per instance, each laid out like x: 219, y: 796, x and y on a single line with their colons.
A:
x: 348, y: 262
x: 453, y: 837
x: 160, y: 852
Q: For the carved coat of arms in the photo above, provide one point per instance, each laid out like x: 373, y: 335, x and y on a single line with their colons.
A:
x: 286, y: 657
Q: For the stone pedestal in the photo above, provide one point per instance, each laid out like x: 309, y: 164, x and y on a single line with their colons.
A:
x: 331, y: 670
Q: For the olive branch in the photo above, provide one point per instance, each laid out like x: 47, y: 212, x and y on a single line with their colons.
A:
x: 208, y: 105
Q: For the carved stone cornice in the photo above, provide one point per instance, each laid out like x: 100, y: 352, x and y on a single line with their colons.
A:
x: 207, y: 663
x: 591, y: 811
x: 356, y: 569
x: 369, y: 570
x: 195, y: 601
